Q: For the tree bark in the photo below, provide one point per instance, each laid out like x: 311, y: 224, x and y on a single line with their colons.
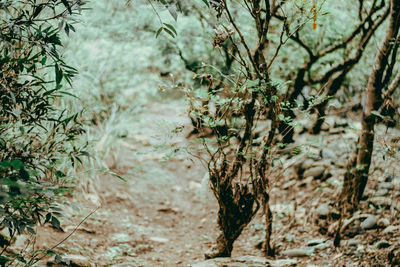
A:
x: 359, y: 168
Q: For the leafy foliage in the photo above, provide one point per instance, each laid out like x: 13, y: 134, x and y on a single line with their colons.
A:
x: 35, y: 136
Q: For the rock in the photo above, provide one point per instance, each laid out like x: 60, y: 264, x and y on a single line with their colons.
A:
x: 384, y: 202
x: 383, y: 222
x: 328, y: 153
x: 390, y: 229
x: 289, y: 184
x: 125, y: 264
x: 369, y: 222
x: 207, y: 263
x: 121, y: 237
x: 296, y: 252
x: 315, y: 172
x: 353, y: 242
x: 382, y: 244
x: 323, y: 210
x: 315, y: 242
x: 289, y: 237
x: 307, y: 164
x: 158, y: 239
x: 74, y: 260
x: 385, y: 185
x: 245, y: 261
x: 321, y: 246
x: 381, y: 192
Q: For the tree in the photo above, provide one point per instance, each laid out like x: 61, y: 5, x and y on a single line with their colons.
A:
x: 240, y: 159
x: 330, y: 80
x: 379, y: 89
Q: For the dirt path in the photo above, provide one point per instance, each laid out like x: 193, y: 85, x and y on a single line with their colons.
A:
x: 161, y: 216
x: 157, y: 217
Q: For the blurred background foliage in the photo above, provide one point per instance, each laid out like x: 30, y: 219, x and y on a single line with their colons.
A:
x: 120, y: 62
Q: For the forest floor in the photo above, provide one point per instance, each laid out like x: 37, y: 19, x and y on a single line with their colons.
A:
x: 163, y: 215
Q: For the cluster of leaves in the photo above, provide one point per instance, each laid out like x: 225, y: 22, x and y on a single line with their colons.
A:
x: 35, y: 137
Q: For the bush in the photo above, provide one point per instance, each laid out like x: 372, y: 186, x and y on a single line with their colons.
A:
x: 35, y: 136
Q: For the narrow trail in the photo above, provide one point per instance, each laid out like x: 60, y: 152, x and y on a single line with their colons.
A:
x: 157, y: 217
x: 161, y: 215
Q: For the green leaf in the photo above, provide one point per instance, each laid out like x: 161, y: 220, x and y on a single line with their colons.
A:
x: 172, y: 28
x: 159, y: 31
x: 38, y: 9
x: 31, y: 230
x: 169, y: 32
x: 59, y: 74
x: 55, y: 223
x: 67, y: 5
x: 206, y: 2
x: 377, y: 114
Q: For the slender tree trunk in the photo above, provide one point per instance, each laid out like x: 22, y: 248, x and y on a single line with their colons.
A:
x: 359, y: 168
x: 236, y: 210
x: 333, y: 87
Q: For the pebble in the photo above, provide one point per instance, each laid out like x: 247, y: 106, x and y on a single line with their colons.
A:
x: 321, y: 246
x: 158, y: 239
x: 369, y: 222
x: 353, y: 242
x: 315, y: 172
x: 289, y: 184
x: 328, y: 153
x: 390, y: 229
x: 315, y: 242
x: 381, y: 192
x: 76, y: 260
x: 386, y: 185
x: 382, y: 244
x: 323, y: 210
x: 296, y: 252
x: 125, y: 264
x: 245, y: 261
x: 289, y: 237
x: 383, y: 222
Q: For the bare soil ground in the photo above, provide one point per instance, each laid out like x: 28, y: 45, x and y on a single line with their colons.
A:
x: 163, y: 216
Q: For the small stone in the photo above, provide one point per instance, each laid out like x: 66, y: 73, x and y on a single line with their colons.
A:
x: 382, y: 244
x: 289, y: 184
x: 323, y: 210
x: 76, y: 260
x: 207, y: 263
x: 328, y: 154
x: 289, y: 237
x: 383, y: 222
x: 321, y: 246
x: 121, y: 237
x: 315, y: 172
x: 390, y: 229
x: 315, y: 242
x: 381, y: 192
x: 353, y: 242
x: 296, y: 252
x: 307, y: 164
x: 369, y: 222
x: 386, y: 185
x: 158, y: 239
x: 125, y: 264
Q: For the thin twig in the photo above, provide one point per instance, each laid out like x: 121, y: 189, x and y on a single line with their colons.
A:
x: 65, y: 238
